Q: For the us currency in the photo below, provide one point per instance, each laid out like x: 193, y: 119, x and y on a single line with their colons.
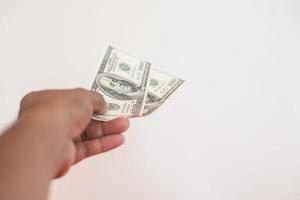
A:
x: 122, y: 80
x: 161, y: 86
x: 157, y: 88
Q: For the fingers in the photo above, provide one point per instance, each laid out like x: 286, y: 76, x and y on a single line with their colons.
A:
x: 92, y: 147
x: 93, y: 130
x: 100, y: 137
x: 115, y: 126
x: 97, y: 129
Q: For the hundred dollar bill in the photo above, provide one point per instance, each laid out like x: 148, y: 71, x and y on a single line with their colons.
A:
x: 122, y: 80
x: 161, y: 86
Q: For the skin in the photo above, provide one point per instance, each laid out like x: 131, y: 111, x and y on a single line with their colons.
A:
x: 53, y: 132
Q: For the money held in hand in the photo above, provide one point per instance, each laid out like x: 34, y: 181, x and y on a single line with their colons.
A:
x: 131, y: 86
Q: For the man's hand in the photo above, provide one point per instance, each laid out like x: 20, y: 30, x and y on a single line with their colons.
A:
x: 63, y: 118
x: 53, y: 132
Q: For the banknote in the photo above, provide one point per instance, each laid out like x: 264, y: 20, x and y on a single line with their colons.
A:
x: 122, y: 80
x: 131, y: 86
x: 161, y: 86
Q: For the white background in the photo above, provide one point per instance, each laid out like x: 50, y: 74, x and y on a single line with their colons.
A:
x: 231, y: 132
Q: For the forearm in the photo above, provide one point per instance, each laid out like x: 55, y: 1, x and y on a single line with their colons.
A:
x: 27, y: 164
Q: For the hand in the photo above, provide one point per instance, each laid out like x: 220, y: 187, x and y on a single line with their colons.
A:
x: 63, y: 118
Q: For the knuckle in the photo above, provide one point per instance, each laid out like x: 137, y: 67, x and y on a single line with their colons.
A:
x: 79, y: 90
x: 28, y: 97
x: 80, y: 94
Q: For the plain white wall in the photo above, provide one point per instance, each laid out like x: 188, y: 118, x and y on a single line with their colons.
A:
x: 231, y: 132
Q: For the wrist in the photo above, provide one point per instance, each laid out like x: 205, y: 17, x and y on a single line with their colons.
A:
x: 26, y: 169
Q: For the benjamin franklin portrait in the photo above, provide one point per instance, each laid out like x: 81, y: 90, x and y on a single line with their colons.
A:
x: 117, y: 88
